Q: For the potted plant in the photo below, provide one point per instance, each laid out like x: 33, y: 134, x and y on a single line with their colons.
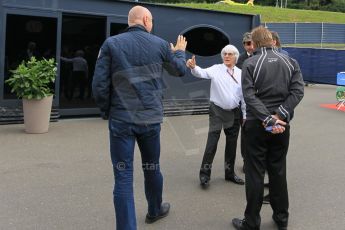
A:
x: 32, y: 81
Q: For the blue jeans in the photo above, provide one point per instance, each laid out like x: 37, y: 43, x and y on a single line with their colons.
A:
x: 122, y: 141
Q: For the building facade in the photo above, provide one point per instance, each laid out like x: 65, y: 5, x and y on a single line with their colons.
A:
x: 60, y: 28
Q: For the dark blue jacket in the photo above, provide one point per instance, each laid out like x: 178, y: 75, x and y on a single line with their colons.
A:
x: 128, y: 79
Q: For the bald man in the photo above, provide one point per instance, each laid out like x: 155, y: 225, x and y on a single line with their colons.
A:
x: 127, y: 87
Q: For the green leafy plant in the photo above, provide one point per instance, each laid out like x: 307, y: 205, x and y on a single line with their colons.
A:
x: 33, y: 79
x: 340, y: 93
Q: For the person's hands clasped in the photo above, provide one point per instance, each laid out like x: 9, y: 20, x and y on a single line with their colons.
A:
x: 191, y: 63
x: 181, y: 44
x: 279, y: 126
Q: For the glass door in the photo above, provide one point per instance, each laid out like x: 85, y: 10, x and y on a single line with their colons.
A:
x: 81, y: 38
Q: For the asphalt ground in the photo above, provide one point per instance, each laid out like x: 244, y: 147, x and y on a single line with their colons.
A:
x: 63, y: 179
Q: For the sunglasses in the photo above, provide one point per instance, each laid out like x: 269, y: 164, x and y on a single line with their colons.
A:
x: 247, y: 43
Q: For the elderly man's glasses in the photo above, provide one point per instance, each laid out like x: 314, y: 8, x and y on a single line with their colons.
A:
x: 249, y: 43
x: 228, y: 54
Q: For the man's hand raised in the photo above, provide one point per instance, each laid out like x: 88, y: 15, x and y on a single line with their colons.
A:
x: 181, y: 44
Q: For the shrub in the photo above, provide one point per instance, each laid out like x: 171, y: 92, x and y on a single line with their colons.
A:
x: 33, y: 79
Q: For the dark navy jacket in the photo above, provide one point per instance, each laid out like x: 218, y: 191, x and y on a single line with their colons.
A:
x: 128, y: 79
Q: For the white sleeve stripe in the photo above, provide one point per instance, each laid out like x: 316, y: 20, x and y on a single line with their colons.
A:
x: 283, y: 109
x: 267, y: 118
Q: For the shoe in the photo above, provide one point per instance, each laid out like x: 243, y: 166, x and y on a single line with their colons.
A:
x: 163, y: 212
x: 238, y: 224
x: 234, y: 178
x: 266, y: 199
x: 204, y: 181
x: 281, y: 225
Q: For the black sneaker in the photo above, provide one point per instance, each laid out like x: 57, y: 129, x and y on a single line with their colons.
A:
x: 239, y: 224
x: 204, y: 181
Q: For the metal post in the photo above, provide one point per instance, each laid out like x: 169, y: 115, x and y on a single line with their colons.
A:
x: 295, y: 32
x: 321, y: 34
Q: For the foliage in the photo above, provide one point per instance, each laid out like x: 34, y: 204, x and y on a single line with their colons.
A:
x: 275, y: 14
x: 338, y: 46
x: 324, y: 5
x: 32, y: 79
x: 337, y: 7
x: 181, y: 1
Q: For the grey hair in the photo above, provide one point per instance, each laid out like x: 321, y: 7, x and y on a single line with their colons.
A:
x: 230, y: 49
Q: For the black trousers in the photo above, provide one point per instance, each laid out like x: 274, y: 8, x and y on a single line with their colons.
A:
x: 229, y: 121
x: 265, y: 151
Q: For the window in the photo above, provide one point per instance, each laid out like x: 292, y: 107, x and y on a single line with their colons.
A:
x: 28, y: 36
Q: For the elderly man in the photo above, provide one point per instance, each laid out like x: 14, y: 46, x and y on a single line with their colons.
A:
x: 225, y: 98
x: 128, y: 85
x: 272, y: 88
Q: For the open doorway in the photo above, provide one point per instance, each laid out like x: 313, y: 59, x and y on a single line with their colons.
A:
x: 82, y: 36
